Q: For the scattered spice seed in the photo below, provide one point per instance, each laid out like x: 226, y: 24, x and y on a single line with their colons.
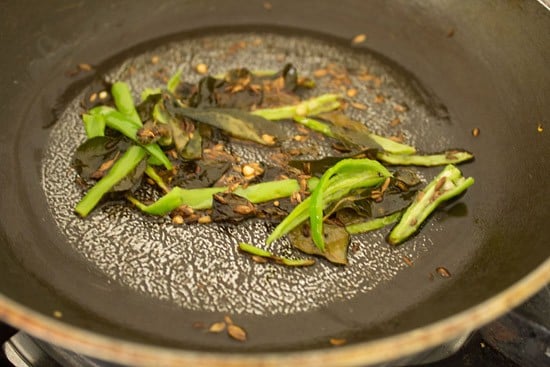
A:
x: 93, y: 97
x: 103, y: 94
x: 540, y: 128
x: 177, y: 219
x: 57, y: 314
x: 205, y: 219
x: 319, y: 73
x: 443, y: 272
x: 85, y: 67
x: 351, y: 92
x: 269, y: 139
x: 268, y: 5
x: 399, y: 108
x: 217, y: 327
x: 155, y: 60
x: 396, y: 121
x: 475, y: 131
x: 243, y: 209
x: 259, y: 259
x: 451, y: 33
x: 337, y: 341
x: 360, y: 38
x: 201, y: 69
x: 236, y: 332
x: 227, y: 320
x: 379, y: 99
x: 359, y: 106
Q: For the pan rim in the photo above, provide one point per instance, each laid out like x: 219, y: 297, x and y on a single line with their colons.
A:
x: 370, y: 352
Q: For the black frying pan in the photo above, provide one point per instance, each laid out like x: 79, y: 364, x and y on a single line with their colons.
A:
x: 485, y: 62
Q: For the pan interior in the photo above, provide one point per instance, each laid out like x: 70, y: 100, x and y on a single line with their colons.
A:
x: 197, y: 267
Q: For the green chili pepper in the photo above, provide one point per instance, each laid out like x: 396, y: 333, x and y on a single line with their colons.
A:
x: 447, y: 184
x: 94, y: 124
x: 309, y: 107
x: 124, y: 102
x: 121, y: 123
x: 334, y: 191
x: 373, y: 224
x: 202, y: 198
x: 174, y: 82
x: 449, y: 157
x: 120, y: 169
x: 346, y: 166
x: 150, y: 171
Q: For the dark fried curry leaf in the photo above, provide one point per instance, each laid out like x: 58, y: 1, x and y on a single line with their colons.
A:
x: 336, y: 242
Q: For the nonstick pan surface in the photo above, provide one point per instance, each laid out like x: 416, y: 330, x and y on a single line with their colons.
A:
x: 458, y: 72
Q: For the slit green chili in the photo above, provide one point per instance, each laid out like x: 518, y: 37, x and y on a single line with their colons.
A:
x: 346, y: 166
x: 256, y: 251
x: 124, y: 102
x: 448, y: 157
x: 309, y: 107
x: 449, y: 183
x: 373, y: 224
x: 120, y: 169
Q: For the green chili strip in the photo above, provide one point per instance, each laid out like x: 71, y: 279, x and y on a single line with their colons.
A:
x: 386, y: 144
x: 449, y: 157
x: 150, y: 171
x: 94, y: 124
x: 309, y: 107
x: 256, y: 251
x: 335, y: 191
x: 202, y: 198
x: 120, y: 169
x: 174, y: 81
x: 121, y: 123
x: 373, y: 224
x: 314, y: 125
x: 447, y: 184
x: 124, y: 102
x: 346, y: 166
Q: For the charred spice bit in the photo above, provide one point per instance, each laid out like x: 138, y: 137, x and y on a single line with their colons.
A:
x: 379, y: 99
x: 443, y: 272
x: 407, y: 261
x: 360, y: 38
x: 201, y: 69
x: 540, y: 128
x: 197, y: 325
x: 475, y: 131
x: 337, y: 341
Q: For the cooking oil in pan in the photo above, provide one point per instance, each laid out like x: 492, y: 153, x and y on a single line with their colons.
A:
x: 198, y: 266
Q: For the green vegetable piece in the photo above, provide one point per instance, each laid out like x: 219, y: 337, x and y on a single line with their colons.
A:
x: 94, y: 124
x: 448, y: 184
x: 174, y: 81
x: 121, y: 123
x: 124, y: 102
x: 346, y: 166
x: 373, y: 224
x: 309, y: 107
x: 120, y: 169
x: 335, y: 191
x: 391, y: 146
x: 449, y: 157
x: 150, y: 171
x: 256, y: 251
x: 202, y: 198
x: 314, y: 125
